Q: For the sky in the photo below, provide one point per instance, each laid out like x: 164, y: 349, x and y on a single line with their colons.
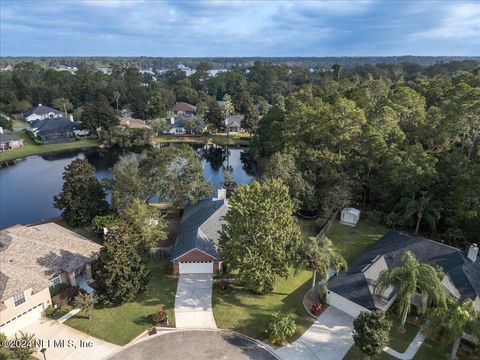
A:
x: 239, y: 28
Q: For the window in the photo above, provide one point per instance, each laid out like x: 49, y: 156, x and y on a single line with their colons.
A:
x: 55, y: 281
x: 19, y: 299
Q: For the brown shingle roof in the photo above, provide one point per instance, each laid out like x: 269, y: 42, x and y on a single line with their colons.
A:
x: 40, y: 252
x: 132, y: 123
x: 183, y: 106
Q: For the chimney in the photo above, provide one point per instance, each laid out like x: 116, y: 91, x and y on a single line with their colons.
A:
x: 39, y: 104
x: 473, y: 252
x: 71, y: 117
x: 221, y: 194
x: 1, y: 130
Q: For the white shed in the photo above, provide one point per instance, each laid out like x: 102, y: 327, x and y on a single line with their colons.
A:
x: 350, y: 216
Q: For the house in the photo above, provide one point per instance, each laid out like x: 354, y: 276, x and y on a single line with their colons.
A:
x: 183, y: 108
x: 352, y: 291
x: 40, y: 112
x: 8, y: 142
x: 234, y: 123
x: 34, y: 259
x: 196, y: 246
x: 176, y: 126
x: 128, y: 122
x: 56, y: 130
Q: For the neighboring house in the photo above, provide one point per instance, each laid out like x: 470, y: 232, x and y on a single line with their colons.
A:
x: 196, y: 246
x: 183, y: 108
x: 234, y: 123
x: 34, y: 259
x: 176, y: 126
x: 56, y: 130
x: 41, y: 112
x: 352, y: 291
x: 131, y: 123
x: 8, y: 142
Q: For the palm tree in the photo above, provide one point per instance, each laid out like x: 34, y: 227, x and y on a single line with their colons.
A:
x: 228, y: 109
x: 116, y: 97
x: 319, y: 256
x: 85, y: 302
x: 451, y: 322
x: 425, y: 209
x: 409, y: 277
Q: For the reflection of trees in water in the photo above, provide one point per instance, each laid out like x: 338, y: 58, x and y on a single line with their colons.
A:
x: 248, y: 162
x: 216, y: 156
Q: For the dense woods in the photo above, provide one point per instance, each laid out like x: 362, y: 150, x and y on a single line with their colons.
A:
x: 400, y: 141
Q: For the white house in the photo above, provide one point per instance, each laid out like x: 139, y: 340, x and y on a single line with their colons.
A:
x: 352, y: 291
x: 41, y: 112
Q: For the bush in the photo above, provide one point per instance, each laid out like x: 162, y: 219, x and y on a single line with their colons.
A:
x: 63, y: 298
x: 376, y: 216
x: 58, y: 289
x: 322, y: 293
x: 316, y: 309
x: 33, y: 137
x: 280, y: 328
x: 103, y: 221
x: 160, y: 317
x: 50, y: 312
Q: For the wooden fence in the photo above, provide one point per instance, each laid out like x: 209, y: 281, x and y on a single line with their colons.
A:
x: 328, y: 225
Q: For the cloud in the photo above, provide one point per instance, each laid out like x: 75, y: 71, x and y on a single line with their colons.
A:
x: 239, y: 28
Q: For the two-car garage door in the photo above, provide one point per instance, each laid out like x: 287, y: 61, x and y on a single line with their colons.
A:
x: 22, y: 320
x: 198, y: 267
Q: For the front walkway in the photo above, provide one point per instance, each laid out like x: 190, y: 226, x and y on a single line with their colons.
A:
x: 329, y: 338
x: 193, y: 302
x: 411, y: 350
x: 65, y: 343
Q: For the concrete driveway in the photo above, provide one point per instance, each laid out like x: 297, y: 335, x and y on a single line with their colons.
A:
x: 49, y: 330
x: 329, y: 338
x: 193, y: 302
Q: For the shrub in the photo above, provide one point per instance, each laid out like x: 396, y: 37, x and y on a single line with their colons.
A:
x: 316, y: 309
x: 160, y: 317
x: 103, y: 221
x: 33, y: 137
x: 50, y: 312
x: 58, y: 289
x: 280, y: 328
x: 376, y: 216
x: 62, y: 299
x: 322, y: 293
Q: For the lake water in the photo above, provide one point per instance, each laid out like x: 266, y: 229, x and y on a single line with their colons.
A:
x: 27, y: 188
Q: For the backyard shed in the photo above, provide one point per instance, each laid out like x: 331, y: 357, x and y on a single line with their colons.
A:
x: 350, y: 216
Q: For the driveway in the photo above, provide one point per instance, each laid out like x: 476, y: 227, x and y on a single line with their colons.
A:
x: 49, y: 330
x: 193, y: 302
x: 329, y: 338
x: 198, y: 345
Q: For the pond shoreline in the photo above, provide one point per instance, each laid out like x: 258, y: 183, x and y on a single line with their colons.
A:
x: 11, y: 156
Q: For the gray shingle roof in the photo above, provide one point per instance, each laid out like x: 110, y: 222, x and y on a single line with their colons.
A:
x: 40, y: 110
x: 4, y: 137
x: 200, y: 226
x: 235, y: 120
x: 54, y: 124
x: 33, y: 253
x: 353, y: 285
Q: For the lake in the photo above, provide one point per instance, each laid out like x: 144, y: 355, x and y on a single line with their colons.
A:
x: 27, y: 187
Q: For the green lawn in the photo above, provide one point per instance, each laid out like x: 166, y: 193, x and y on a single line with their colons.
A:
x: 30, y: 148
x: 121, y: 324
x: 249, y: 313
x: 353, y: 241
x: 401, y: 341
x: 220, y: 139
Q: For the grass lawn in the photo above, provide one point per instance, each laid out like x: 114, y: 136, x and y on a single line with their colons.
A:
x: 30, y: 148
x: 121, y: 324
x: 352, y: 241
x: 248, y: 313
x: 220, y: 139
x: 19, y: 123
x: 86, y: 232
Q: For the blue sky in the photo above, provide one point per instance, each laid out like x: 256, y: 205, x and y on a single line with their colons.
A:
x: 239, y: 28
